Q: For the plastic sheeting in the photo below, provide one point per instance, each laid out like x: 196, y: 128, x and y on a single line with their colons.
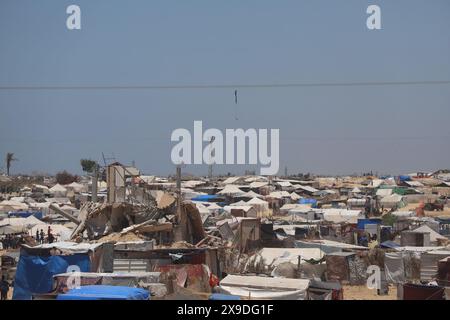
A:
x: 394, y: 267
x: 265, y: 294
x: 254, y: 287
x: 35, y: 274
x: 102, y: 292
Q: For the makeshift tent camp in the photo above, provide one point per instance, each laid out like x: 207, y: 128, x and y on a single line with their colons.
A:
x: 37, y: 265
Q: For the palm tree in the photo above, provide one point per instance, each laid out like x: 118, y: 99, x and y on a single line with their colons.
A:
x: 9, y: 159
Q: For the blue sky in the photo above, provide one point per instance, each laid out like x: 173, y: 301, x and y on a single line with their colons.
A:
x: 327, y: 130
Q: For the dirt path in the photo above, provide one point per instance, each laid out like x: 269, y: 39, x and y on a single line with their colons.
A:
x: 364, y: 293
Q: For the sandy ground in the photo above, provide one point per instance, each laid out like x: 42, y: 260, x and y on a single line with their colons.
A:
x: 413, y: 206
x: 364, y: 293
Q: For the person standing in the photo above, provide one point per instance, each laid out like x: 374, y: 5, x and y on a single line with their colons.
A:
x: 4, y: 288
x: 49, y: 235
x: 42, y: 236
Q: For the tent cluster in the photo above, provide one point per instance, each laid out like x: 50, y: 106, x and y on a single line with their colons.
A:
x: 240, y: 236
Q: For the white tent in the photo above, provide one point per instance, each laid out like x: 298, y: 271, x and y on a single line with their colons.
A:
x: 58, y: 190
x: 252, y: 194
x: 41, y: 188
x: 391, y: 201
x: 232, y: 180
x: 384, y: 192
x: 258, y: 184
x: 8, y: 205
x: 434, y: 236
x: 265, y: 287
x: 295, y: 196
x: 356, y: 190
x: 259, y: 205
x: 231, y: 190
x: 239, y: 203
x: 8, y: 229
x: 76, y: 187
x: 61, y: 232
x: 342, y: 215
x: 279, y: 194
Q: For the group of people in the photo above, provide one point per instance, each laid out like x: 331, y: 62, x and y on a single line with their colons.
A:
x: 11, y: 241
x: 40, y: 236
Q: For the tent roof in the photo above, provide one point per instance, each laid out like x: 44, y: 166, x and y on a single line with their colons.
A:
x: 265, y: 282
x: 434, y: 236
x: 295, y: 196
x: 231, y: 190
x: 252, y: 194
x: 258, y: 184
x: 58, y: 188
x: 257, y: 201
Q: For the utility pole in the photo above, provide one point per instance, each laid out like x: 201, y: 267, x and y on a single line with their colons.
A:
x: 179, y: 190
x: 182, y: 228
x: 210, y: 169
x: 95, y: 183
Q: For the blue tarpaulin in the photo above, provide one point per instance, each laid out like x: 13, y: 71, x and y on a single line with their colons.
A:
x: 389, y: 244
x: 206, y: 197
x: 102, y: 292
x: 35, y: 274
x: 307, y: 201
x: 221, y: 296
x: 404, y: 178
x: 363, y: 222
x: 25, y: 214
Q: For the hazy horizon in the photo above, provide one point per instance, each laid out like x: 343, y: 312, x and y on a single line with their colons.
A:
x: 327, y: 130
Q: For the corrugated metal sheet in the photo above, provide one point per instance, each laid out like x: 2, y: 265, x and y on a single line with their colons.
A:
x: 429, y: 264
x: 130, y: 265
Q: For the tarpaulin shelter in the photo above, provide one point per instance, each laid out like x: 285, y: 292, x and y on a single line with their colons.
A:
x: 58, y: 190
x: 206, y: 197
x: 8, y: 229
x: 254, y: 287
x: 312, y: 202
x: 102, y: 292
x: 363, y: 222
x: 232, y: 191
x: 8, y: 205
x: 37, y: 265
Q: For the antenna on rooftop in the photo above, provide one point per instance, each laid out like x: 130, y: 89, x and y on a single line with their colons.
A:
x: 110, y: 159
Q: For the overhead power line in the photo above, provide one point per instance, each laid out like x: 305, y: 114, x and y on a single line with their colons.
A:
x: 223, y: 86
